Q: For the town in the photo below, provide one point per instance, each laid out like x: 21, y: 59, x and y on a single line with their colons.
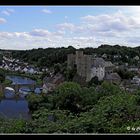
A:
x: 87, y: 68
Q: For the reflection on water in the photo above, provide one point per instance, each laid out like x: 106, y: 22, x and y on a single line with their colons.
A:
x: 14, y: 109
x: 9, y: 93
x: 20, y: 80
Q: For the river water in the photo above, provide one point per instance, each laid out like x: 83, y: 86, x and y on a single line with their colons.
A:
x: 11, y: 107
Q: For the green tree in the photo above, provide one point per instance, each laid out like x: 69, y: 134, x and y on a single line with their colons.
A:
x: 35, y: 101
x: 45, y: 121
x: 57, y: 68
x: 125, y: 74
x: 12, y: 125
x: 70, y: 73
x: 67, y: 97
x: 94, y: 81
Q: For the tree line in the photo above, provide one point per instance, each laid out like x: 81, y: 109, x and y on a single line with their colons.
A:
x: 49, y: 56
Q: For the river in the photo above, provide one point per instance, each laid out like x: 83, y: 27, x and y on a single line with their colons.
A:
x: 11, y: 107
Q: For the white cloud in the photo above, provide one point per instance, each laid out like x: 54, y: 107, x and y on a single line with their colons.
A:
x: 5, y: 12
x: 46, y: 11
x: 6, y: 35
x: 92, y: 31
x: 2, y: 20
x: 66, y: 26
x: 33, y: 39
x: 59, y: 33
x: 66, y: 17
x: 116, y: 21
x: 40, y: 32
x: 8, y: 12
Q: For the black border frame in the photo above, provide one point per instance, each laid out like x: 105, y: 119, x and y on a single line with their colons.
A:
x: 68, y: 3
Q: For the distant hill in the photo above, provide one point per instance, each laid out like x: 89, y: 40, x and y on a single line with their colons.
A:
x: 50, y: 56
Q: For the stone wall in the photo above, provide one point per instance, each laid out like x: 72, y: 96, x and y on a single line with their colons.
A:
x: 83, y: 63
x: 70, y: 60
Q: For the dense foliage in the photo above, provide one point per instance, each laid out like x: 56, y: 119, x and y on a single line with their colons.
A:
x: 50, y: 56
x: 75, y: 109
x: 125, y: 74
x: 44, y: 57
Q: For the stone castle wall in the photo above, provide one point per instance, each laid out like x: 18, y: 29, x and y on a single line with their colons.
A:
x: 70, y: 60
x: 83, y: 63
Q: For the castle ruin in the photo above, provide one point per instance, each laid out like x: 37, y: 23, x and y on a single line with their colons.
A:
x: 82, y: 63
x: 87, y: 66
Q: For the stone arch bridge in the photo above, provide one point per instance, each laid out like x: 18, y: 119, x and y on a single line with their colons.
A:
x: 16, y: 87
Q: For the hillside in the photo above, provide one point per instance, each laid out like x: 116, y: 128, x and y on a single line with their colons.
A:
x: 50, y: 56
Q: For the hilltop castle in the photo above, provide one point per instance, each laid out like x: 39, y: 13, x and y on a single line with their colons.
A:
x: 89, y: 67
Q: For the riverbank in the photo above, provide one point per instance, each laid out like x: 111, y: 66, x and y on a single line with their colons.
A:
x: 36, y: 77
x: 15, y: 106
x: 1, y: 96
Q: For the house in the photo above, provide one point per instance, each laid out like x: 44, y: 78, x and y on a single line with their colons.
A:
x: 30, y: 70
x: 109, y: 67
x: 6, y: 67
x: 133, y: 68
x: 117, y: 56
x: 136, y: 58
x: 44, y: 69
x: 48, y: 87
x: 113, y: 78
x: 17, y: 68
x: 126, y: 64
x: 50, y: 83
x: 104, y: 55
x: 135, y: 80
x: 17, y: 60
x: 98, y: 68
x: 127, y: 56
x: 10, y: 64
x: 25, y: 70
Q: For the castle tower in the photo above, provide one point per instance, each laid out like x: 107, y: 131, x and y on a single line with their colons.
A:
x: 70, y: 61
x: 83, y: 63
x: 79, y: 55
x: 88, y: 64
x: 79, y: 61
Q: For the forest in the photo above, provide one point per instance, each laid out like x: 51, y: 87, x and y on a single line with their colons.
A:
x: 48, y: 57
x: 74, y: 109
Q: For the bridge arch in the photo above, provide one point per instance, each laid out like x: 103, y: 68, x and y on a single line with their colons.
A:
x: 9, y: 93
x: 9, y: 88
x: 16, y: 87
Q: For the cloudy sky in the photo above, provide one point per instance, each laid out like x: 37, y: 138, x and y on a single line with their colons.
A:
x: 27, y: 27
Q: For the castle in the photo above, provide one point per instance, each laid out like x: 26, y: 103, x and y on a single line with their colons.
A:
x: 89, y: 67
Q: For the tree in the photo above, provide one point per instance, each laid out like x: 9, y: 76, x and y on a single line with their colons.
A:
x: 115, y: 111
x: 107, y: 89
x: 44, y: 74
x: 12, y: 125
x: 2, y: 78
x: 70, y: 73
x: 94, y: 81
x: 57, y: 68
x: 34, y: 101
x: 125, y: 74
x: 45, y: 121
x: 2, y: 75
x: 67, y: 97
